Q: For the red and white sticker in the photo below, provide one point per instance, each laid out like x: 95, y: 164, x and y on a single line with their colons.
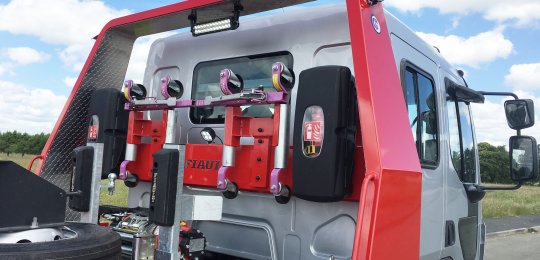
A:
x: 312, y: 131
x: 92, y: 132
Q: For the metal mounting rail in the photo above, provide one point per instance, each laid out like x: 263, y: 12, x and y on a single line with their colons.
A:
x: 251, y: 97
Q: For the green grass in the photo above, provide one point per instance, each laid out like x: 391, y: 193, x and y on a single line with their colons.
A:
x: 525, y: 201
x: 118, y: 199
x: 19, y: 159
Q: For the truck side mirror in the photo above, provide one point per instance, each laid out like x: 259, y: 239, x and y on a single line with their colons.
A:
x: 519, y: 113
x: 523, y: 158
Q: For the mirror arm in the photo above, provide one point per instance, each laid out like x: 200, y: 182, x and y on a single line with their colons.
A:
x: 518, y: 185
x: 508, y: 94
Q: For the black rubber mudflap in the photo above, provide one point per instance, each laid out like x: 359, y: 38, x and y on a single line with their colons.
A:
x: 108, y: 106
x: 164, y: 184
x: 81, y: 178
x: 324, y: 134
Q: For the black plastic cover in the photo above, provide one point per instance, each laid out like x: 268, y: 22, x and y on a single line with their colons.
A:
x: 81, y: 178
x: 24, y: 196
x: 107, y: 105
x: 164, y: 182
x: 328, y: 176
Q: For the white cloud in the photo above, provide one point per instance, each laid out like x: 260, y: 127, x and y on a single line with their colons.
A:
x: 490, y: 123
x: 28, y: 110
x: 523, y: 76
x: 57, y: 21
x: 490, y: 120
x: 75, y: 55
x: 455, y: 22
x: 70, y: 81
x: 522, y: 13
x: 26, y: 55
x: 69, y: 23
x: 2, y: 69
x: 479, y: 49
x: 139, y: 56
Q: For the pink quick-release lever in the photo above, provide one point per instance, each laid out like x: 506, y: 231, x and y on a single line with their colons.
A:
x: 123, y: 170
x: 163, y: 87
x: 282, y: 77
x: 275, y: 185
x: 230, y: 83
x: 222, y: 177
x: 224, y: 81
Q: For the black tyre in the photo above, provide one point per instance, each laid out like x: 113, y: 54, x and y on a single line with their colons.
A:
x: 91, y: 242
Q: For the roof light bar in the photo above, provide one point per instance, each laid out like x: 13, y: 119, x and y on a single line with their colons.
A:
x: 212, y: 27
x: 217, y: 25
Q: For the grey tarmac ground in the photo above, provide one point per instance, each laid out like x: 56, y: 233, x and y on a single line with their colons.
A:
x: 513, y: 238
x: 524, y: 246
x: 494, y: 225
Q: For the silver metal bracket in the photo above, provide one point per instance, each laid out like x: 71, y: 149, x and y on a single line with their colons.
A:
x: 168, y: 236
x: 92, y: 215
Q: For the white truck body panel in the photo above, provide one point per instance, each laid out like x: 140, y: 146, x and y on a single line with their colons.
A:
x: 302, y: 229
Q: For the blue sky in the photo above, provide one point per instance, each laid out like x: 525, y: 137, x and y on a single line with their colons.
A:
x: 43, y: 44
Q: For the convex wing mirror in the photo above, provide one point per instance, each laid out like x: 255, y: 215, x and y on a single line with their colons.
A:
x: 523, y: 158
x: 519, y: 113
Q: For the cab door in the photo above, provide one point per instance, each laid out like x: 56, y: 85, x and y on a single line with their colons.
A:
x: 422, y: 94
x: 462, y: 216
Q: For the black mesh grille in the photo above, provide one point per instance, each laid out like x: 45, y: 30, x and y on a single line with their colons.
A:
x: 108, y: 69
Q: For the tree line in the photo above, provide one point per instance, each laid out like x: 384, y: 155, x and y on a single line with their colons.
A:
x: 494, y: 160
x: 22, y: 143
x: 495, y: 163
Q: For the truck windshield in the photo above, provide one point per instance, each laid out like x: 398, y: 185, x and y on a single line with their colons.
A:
x: 256, y: 71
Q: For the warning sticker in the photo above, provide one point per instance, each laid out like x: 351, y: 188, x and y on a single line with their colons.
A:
x: 92, y: 132
x: 312, y: 131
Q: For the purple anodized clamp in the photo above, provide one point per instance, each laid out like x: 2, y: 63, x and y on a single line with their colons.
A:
x: 123, y: 174
x: 230, y: 83
x: 134, y: 91
x: 128, y: 84
x: 222, y: 177
x: 282, y: 77
x: 163, y: 86
x: 171, y: 88
x: 275, y: 185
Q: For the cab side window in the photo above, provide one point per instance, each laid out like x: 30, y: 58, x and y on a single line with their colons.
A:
x: 422, y: 112
x: 462, y: 146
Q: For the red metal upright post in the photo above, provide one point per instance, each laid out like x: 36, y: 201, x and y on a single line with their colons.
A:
x: 388, y: 224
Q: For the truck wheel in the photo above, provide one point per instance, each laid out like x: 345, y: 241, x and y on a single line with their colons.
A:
x: 86, y: 241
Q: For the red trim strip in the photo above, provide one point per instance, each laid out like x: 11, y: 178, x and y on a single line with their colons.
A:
x: 392, y: 166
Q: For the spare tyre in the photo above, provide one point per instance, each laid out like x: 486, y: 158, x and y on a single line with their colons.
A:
x: 84, y: 241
